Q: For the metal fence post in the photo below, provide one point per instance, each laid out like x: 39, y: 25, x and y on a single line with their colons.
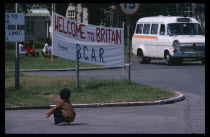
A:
x: 129, y: 49
x: 16, y: 56
x: 77, y: 69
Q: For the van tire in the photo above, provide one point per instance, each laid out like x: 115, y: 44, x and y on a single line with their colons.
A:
x: 178, y: 61
x: 142, y: 59
x: 203, y: 61
x: 148, y: 60
x: 168, y: 59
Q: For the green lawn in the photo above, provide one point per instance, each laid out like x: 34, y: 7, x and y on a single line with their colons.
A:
x: 27, y: 62
x: 41, y: 62
x: 44, y: 90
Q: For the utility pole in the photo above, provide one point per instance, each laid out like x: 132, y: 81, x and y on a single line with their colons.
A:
x: 129, y: 51
x: 82, y: 13
x: 75, y: 11
x: 128, y: 9
x: 53, y: 10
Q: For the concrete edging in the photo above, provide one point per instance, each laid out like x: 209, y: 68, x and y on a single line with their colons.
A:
x: 166, y: 101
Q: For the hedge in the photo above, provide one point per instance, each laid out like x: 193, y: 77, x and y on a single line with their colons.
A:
x: 38, y: 44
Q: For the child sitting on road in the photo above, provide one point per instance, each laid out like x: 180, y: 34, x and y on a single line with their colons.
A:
x: 63, y: 111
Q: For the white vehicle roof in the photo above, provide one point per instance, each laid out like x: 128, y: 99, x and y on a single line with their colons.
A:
x: 164, y: 19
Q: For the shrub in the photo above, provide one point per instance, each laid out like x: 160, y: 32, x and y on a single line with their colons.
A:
x: 10, y: 45
x: 37, y: 43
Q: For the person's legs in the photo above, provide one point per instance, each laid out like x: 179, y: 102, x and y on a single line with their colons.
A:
x: 37, y: 54
x: 29, y: 54
x: 42, y: 53
x: 45, y: 54
x: 49, y: 53
x: 33, y: 54
x: 58, y: 117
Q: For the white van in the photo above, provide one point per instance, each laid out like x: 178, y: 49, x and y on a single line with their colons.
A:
x: 172, y: 38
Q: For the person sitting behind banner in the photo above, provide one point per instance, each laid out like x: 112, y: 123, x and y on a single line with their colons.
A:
x: 22, y: 48
x: 47, y: 49
x: 31, y: 52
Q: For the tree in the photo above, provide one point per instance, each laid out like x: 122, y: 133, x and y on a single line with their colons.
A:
x: 98, y: 13
x: 26, y: 7
x: 22, y: 7
x: 61, y: 8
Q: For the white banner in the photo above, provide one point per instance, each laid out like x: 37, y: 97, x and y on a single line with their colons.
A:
x: 96, y: 44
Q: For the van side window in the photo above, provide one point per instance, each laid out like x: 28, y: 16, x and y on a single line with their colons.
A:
x: 139, y: 28
x: 146, y: 28
x: 154, y: 29
x: 162, y: 29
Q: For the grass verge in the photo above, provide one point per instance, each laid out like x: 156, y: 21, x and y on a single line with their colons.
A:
x: 44, y: 90
x: 45, y: 62
x: 40, y: 62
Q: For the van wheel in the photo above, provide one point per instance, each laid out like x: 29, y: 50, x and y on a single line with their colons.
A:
x: 178, y: 61
x: 203, y: 61
x: 168, y: 59
x: 142, y: 59
x: 148, y: 60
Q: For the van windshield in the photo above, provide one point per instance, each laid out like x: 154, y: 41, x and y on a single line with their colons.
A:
x: 184, y: 29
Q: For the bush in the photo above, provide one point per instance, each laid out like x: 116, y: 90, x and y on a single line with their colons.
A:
x: 37, y: 43
x: 10, y: 45
x: 10, y: 56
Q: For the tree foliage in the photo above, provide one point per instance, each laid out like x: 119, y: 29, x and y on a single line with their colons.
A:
x: 22, y: 7
x: 26, y: 7
x: 61, y: 8
x: 98, y: 13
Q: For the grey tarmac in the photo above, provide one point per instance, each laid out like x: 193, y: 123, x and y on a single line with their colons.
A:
x: 186, y: 116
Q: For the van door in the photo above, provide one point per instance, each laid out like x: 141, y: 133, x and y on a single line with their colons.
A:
x: 153, y: 39
x: 136, y: 41
x: 145, y: 40
x: 162, y: 41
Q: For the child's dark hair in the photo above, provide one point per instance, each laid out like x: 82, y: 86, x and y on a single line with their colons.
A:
x: 65, y: 94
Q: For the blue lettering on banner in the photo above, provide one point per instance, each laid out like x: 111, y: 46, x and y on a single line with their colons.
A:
x: 101, y: 51
x: 93, y: 53
x: 62, y: 48
x: 78, y: 48
x: 85, y: 48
